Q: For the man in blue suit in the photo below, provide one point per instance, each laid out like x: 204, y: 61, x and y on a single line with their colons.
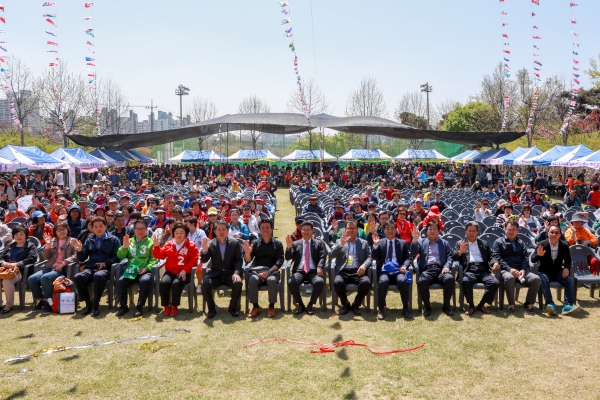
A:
x: 435, y: 261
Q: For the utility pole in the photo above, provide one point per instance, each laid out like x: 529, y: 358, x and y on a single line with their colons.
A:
x: 427, y: 89
x: 181, y: 91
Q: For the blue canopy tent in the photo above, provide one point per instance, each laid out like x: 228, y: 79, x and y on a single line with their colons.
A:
x: 546, y: 158
x: 32, y: 158
x: 424, y: 155
x: 489, y: 156
x: 358, y: 154
x: 578, y: 152
x: 190, y: 156
x: 253, y: 155
x: 464, y: 157
x: 137, y: 156
x: 78, y: 158
x: 520, y: 153
x: 308, y: 155
x: 592, y: 161
x: 110, y: 156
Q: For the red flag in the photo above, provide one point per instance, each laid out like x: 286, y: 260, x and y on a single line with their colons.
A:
x: 54, y: 64
x: 88, y: 5
x: 507, y: 51
x: 537, y: 37
x: 505, y: 35
x: 50, y: 22
x: 536, y: 2
x: 52, y: 43
x: 2, y: 19
x: 576, y: 81
x: 2, y: 8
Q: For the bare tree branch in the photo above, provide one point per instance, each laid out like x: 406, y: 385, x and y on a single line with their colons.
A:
x: 254, y: 105
x: 202, y: 110
x: 367, y: 100
x: 317, y: 103
x: 114, y: 106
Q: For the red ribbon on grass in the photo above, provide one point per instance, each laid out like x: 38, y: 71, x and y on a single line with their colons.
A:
x: 331, y: 348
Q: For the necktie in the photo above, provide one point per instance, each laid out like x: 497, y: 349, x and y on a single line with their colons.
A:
x: 390, y: 254
x: 306, y: 266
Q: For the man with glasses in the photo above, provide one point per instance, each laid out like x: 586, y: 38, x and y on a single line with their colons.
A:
x: 352, y: 261
x: 482, y: 211
x: 313, y: 206
x: 555, y: 266
x: 120, y: 229
x: 510, y: 253
x: 138, y: 251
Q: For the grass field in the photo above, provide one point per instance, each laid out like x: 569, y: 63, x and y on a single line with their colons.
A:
x: 492, y: 356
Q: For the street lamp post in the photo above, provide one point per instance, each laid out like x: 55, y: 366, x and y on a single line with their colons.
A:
x: 180, y: 91
x: 427, y: 89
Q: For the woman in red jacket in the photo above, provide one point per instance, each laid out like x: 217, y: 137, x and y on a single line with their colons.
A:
x: 403, y: 225
x: 181, y: 255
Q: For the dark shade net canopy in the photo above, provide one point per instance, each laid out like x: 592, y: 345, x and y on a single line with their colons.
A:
x: 289, y: 123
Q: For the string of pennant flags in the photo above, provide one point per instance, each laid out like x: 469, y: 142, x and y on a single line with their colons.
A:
x: 575, y: 55
x: 90, y: 63
x: 506, y: 51
x: 537, y: 70
x: 285, y: 10
x: 5, y: 69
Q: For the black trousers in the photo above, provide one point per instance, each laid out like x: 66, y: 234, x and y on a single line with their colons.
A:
x: 383, y: 286
x: 298, y: 278
x: 170, y: 288
x: 212, y: 283
x: 344, y: 278
x: 481, y: 275
x: 143, y: 280
x: 87, y: 276
x: 433, y: 275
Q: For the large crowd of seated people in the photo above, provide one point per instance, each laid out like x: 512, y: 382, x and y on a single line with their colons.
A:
x: 362, y: 227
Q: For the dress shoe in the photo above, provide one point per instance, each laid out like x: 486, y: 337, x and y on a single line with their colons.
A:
x: 448, y: 312
x: 95, y: 312
x: 271, y: 312
x: 47, y: 309
x: 5, y: 310
x: 122, y: 311
x: 300, y: 309
x: 137, y: 312
x: 39, y: 306
x: 380, y: 315
x: 309, y: 310
x: 255, y: 311
x: 483, y: 310
x: 86, y: 310
x: 406, y: 313
x: 470, y: 311
x: 167, y: 311
x: 174, y: 311
x: 427, y: 313
x: 233, y: 312
x: 344, y: 310
x: 355, y: 310
x: 211, y: 314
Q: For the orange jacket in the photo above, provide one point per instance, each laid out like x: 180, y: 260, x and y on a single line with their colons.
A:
x: 580, y: 234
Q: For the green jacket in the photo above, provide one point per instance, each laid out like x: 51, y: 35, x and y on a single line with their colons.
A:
x: 139, y: 254
x: 361, y: 235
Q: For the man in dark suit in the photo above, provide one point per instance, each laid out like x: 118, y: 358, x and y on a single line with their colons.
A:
x: 394, y: 251
x: 476, y: 259
x: 352, y: 261
x: 225, y: 269
x: 308, y: 257
x: 552, y: 254
x: 435, y: 262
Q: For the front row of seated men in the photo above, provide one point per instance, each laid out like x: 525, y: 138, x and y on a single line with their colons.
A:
x: 353, y: 258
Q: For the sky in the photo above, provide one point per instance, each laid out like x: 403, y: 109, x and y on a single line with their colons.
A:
x: 226, y: 50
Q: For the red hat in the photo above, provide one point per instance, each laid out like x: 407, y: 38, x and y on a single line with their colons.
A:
x: 143, y: 187
x: 259, y: 200
x: 434, y: 212
x: 364, y: 197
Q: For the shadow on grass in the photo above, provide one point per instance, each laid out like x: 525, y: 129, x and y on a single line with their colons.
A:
x: 70, y: 358
x: 72, y: 390
x: 16, y: 395
x: 346, y: 373
x: 26, y: 336
x: 350, y: 396
x: 342, y: 354
x: 21, y: 361
x: 78, y: 333
x: 336, y: 325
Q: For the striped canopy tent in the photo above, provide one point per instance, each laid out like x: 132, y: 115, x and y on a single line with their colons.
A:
x: 110, y: 156
x: 364, y: 155
x: 592, y: 161
x: 7, y: 166
x: 520, y: 153
x: 78, y: 158
x: 190, y: 156
x: 546, y: 158
x: 32, y: 158
x: 567, y: 159
x: 490, y: 156
x: 308, y: 155
x: 136, y: 156
x: 465, y: 156
x: 421, y: 155
x: 253, y: 155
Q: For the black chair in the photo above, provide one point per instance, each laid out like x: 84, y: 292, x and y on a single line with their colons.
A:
x: 495, y: 230
x: 392, y: 288
x: 581, y: 267
x: 435, y: 286
x: 489, y: 238
x: 477, y: 286
x: 304, y: 286
x: 223, y: 288
x: 349, y: 287
x: 190, y: 288
x: 263, y: 286
x: 452, y: 239
x: 118, y: 272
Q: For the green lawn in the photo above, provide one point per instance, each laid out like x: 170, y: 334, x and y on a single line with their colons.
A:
x: 492, y: 356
